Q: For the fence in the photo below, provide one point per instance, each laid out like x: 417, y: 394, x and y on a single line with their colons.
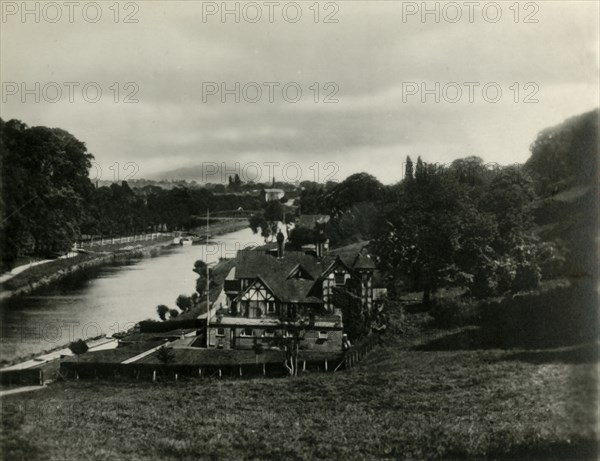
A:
x: 176, y: 371
x: 353, y: 355
x: 89, y: 243
x: 26, y: 377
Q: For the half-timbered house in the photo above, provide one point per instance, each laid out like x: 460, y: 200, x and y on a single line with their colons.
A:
x: 270, y: 297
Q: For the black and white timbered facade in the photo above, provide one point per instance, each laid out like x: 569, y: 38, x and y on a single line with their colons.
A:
x: 269, y: 297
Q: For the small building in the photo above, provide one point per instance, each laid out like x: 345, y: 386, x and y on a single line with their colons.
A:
x: 272, y: 195
x: 271, y: 298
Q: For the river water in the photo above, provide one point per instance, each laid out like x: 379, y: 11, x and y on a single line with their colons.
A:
x: 107, y: 299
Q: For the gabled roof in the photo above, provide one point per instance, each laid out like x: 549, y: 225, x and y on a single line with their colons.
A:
x: 274, y: 273
x: 259, y: 280
x: 363, y: 261
x: 278, y: 274
x: 300, y: 272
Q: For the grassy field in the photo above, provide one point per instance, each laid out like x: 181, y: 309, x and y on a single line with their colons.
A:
x: 405, y: 400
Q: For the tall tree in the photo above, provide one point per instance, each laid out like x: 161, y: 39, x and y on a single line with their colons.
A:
x: 409, y: 169
x: 45, y: 182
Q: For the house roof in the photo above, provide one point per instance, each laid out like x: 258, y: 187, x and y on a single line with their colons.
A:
x: 250, y: 264
x: 363, y: 261
x: 275, y: 272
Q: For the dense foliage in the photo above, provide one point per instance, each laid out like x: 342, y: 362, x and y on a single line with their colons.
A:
x: 45, y: 181
x: 463, y: 225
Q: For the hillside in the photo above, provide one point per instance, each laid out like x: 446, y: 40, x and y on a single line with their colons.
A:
x: 564, y: 165
x: 407, y: 399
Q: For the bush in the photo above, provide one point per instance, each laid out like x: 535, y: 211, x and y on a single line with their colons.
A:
x: 455, y: 312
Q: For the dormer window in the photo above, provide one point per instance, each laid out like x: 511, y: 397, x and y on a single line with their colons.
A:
x: 340, y: 279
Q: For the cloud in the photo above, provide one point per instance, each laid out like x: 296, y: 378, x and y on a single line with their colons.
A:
x: 369, y: 56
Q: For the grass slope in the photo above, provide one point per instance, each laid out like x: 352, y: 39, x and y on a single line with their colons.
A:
x: 401, y: 402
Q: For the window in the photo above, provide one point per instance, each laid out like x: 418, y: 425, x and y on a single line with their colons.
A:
x: 270, y: 307
x: 247, y: 332
x: 221, y: 332
x: 269, y: 334
x: 323, y: 335
x: 340, y: 278
x: 287, y: 334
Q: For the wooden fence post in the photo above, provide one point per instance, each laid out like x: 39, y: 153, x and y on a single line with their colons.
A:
x: 264, y: 369
x: 153, y: 376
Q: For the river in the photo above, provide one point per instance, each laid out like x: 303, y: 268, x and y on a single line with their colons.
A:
x: 107, y: 299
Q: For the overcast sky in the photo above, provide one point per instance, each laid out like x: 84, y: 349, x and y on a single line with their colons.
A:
x: 372, y: 57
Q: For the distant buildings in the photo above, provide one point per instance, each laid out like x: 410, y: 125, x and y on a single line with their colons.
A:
x: 272, y: 195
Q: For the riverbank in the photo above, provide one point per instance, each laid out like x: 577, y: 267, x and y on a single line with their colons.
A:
x: 46, y: 274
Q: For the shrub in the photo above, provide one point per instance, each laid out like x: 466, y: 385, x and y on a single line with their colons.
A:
x: 449, y: 313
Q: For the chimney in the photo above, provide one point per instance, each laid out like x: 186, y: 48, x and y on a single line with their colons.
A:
x: 320, y: 243
x: 280, y: 239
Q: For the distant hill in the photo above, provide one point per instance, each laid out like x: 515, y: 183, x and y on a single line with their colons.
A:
x: 199, y: 173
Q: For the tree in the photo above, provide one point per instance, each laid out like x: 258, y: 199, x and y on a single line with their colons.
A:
x: 463, y: 225
x: 78, y: 347
x: 45, y: 182
x: 268, y: 219
x: 301, y: 236
x: 184, y: 302
x: 410, y: 240
x: 235, y: 183
x: 356, y: 188
x: 165, y: 355
x: 420, y: 170
x: 409, y: 169
x: 162, y: 311
x: 200, y: 268
x: 173, y: 313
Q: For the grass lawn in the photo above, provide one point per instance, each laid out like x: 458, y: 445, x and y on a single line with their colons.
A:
x: 400, y: 402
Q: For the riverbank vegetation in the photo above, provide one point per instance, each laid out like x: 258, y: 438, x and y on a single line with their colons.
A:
x: 49, y: 201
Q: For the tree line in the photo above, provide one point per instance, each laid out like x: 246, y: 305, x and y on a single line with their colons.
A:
x: 48, y: 201
x: 465, y: 225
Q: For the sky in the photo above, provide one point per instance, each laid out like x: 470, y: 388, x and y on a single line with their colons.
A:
x: 324, y: 89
